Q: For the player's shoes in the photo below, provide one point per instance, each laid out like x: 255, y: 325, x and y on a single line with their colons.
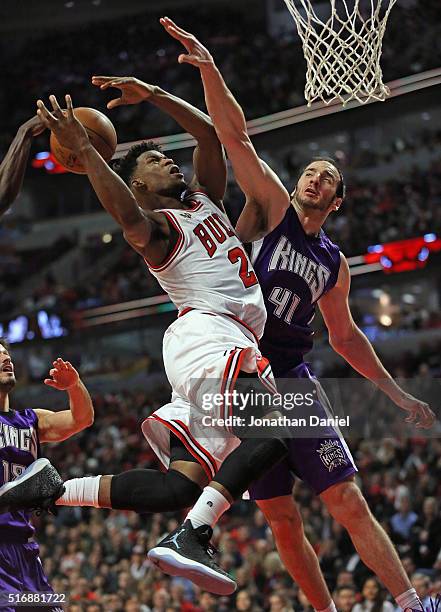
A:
x: 187, y: 552
x: 36, y: 489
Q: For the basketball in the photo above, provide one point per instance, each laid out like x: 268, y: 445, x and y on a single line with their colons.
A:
x: 101, y: 134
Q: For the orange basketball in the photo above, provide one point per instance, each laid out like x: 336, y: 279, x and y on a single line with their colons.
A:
x: 101, y: 134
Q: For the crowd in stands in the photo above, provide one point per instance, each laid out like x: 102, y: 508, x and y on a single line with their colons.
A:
x: 98, y: 557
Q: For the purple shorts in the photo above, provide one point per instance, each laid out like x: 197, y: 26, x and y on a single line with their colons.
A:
x: 21, y: 571
x: 320, y: 462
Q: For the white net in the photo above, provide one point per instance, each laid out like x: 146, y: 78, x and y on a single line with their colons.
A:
x: 342, y: 48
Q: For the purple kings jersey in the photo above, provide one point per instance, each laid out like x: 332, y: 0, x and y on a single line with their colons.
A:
x: 19, y: 447
x: 294, y: 271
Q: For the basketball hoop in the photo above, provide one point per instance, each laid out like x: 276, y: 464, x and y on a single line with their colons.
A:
x: 343, y: 50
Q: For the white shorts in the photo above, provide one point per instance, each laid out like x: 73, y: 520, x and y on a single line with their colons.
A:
x: 203, y: 355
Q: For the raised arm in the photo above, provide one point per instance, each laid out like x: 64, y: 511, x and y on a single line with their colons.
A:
x: 58, y: 426
x: 13, y: 166
x: 347, y: 339
x: 266, y: 198
x: 148, y: 233
x: 208, y: 158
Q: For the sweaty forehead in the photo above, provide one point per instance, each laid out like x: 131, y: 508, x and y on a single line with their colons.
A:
x: 150, y: 155
x: 323, y: 166
x: 3, y: 350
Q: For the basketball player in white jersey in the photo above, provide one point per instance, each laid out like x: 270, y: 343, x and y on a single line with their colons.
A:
x: 183, y: 235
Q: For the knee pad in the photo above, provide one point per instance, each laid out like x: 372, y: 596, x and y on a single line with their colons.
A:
x: 152, y: 491
x: 248, y: 462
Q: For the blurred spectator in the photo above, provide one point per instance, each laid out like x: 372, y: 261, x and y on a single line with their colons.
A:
x: 421, y: 584
x: 374, y: 599
x: 279, y: 603
x: 344, y: 598
x: 403, y: 521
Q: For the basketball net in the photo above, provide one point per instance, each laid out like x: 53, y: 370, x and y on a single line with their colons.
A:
x: 343, y: 52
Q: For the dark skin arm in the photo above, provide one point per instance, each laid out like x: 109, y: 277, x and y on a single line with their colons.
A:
x: 147, y: 232
x: 210, y: 172
x: 13, y: 166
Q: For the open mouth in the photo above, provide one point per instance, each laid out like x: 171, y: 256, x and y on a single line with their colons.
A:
x: 7, y: 368
x: 311, y: 192
x: 175, y: 170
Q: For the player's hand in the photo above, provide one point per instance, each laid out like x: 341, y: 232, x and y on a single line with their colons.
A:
x: 64, y: 375
x: 66, y: 127
x: 197, y: 55
x: 33, y: 126
x: 133, y: 91
x: 419, y: 412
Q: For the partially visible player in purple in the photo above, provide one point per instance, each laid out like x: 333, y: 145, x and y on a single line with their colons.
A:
x: 21, y: 433
x: 298, y: 268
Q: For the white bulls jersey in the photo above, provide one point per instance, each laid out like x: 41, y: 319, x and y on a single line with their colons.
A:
x: 209, y: 269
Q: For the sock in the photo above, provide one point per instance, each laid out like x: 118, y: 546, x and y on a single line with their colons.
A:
x: 208, y: 509
x: 80, y: 492
x: 409, y: 599
x: 330, y: 608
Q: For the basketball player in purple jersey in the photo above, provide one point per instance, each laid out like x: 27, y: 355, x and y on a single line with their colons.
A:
x: 298, y: 267
x: 22, y: 469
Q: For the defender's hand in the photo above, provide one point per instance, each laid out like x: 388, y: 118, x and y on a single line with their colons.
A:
x: 33, y: 126
x: 133, y: 91
x: 420, y: 412
x: 66, y: 127
x: 197, y: 54
x: 64, y: 375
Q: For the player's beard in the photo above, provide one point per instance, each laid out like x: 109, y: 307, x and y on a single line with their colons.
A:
x: 321, y: 205
x: 7, y: 383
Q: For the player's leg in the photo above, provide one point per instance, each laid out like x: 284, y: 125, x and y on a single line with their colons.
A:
x: 273, y: 495
x: 187, y: 551
x: 347, y: 505
x: 295, y: 550
x: 142, y: 490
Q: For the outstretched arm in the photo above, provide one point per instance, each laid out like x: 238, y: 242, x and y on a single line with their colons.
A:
x: 347, y: 339
x: 13, y: 166
x: 58, y: 426
x: 208, y: 158
x: 146, y: 232
x: 266, y: 198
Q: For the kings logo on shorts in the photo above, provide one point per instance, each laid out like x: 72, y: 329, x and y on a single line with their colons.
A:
x: 331, y: 454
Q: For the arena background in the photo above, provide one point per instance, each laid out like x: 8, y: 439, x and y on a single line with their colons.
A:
x: 71, y: 287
